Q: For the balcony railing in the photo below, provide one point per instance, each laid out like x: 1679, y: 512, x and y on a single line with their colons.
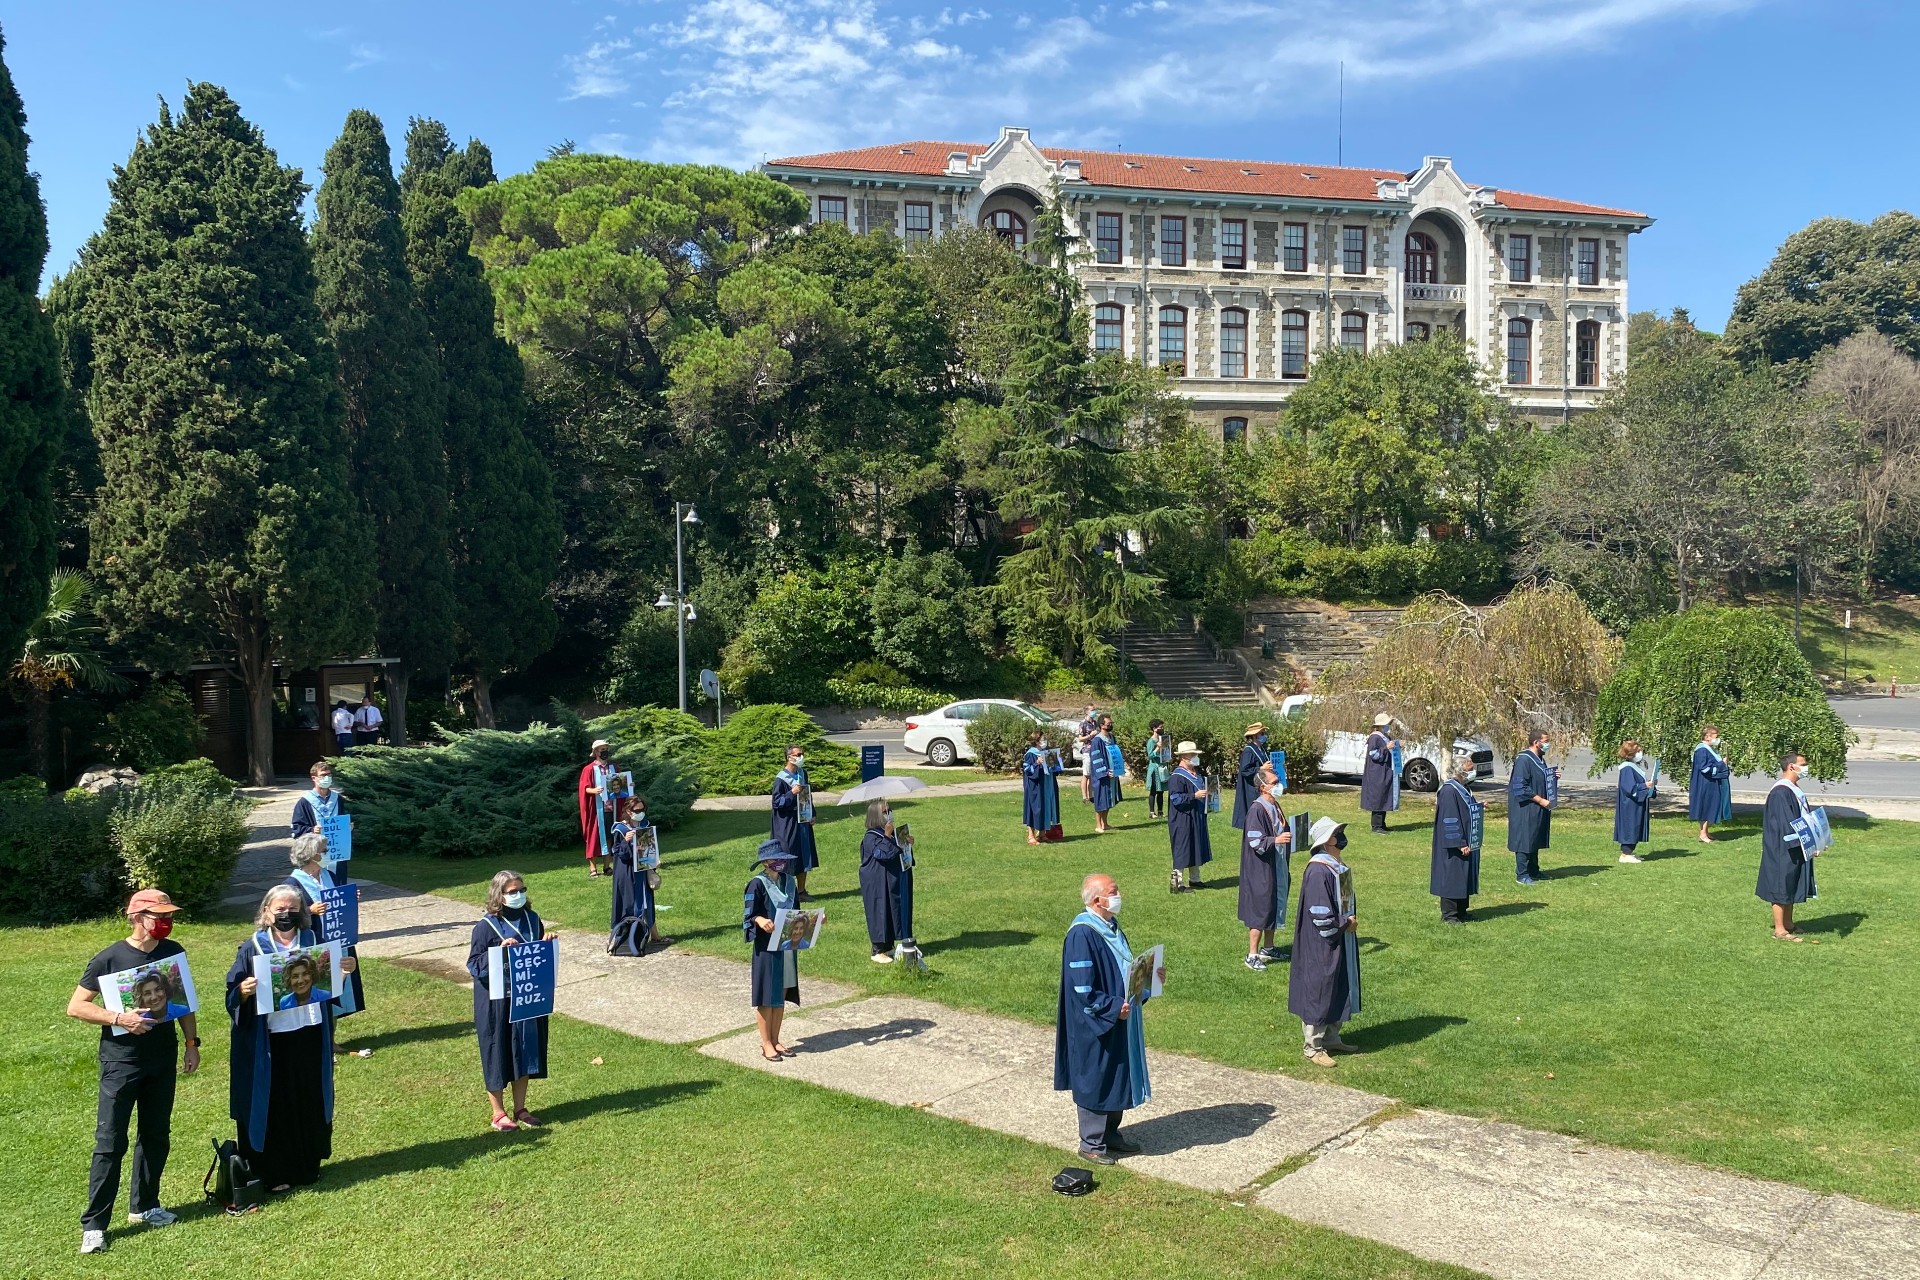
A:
x: 1436, y: 293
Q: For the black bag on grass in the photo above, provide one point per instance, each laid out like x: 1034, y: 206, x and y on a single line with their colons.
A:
x: 231, y: 1183
x: 1073, y: 1182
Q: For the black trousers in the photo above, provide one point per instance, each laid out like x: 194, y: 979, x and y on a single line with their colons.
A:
x: 1097, y: 1128
x: 1526, y: 865
x: 1453, y: 908
x: 123, y: 1086
x: 1379, y: 821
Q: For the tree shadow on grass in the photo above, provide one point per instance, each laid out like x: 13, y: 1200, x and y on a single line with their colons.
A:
x: 406, y: 1035
x: 1504, y: 909
x: 451, y: 1153
x: 1841, y: 923
x: 1668, y: 855
x: 1212, y: 1126
x: 983, y: 940
x: 1400, y: 1031
x: 1570, y: 873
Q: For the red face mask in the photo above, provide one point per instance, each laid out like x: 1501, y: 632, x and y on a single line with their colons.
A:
x: 159, y: 927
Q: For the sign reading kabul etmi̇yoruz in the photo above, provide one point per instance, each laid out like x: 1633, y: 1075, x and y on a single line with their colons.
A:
x: 340, y: 922
x: 524, y: 975
x: 337, y: 829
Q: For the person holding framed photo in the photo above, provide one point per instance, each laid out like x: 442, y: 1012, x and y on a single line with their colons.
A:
x: 775, y: 971
x: 886, y: 885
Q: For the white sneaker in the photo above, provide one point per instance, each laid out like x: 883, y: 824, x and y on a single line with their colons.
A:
x: 1628, y: 857
x: 154, y: 1217
x: 882, y: 957
x: 93, y: 1242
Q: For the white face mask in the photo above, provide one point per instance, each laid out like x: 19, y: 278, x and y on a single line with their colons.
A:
x: 799, y: 761
x: 1113, y: 903
x: 517, y: 899
x: 1193, y: 762
x: 324, y: 782
x: 1639, y: 757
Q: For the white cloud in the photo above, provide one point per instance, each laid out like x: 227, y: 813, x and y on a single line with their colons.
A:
x: 364, y: 55
x: 601, y: 70
x: 613, y: 144
x: 924, y: 48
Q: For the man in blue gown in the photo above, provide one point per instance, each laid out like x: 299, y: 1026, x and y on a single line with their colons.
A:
x: 793, y: 830
x: 1786, y: 865
x: 1530, y: 790
x: 1246, y: 774
x: 1099, y: 1048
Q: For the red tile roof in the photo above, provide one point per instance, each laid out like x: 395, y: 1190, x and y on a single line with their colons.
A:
x: 1168, y: 173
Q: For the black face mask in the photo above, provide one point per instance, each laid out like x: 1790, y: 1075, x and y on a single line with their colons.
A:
x: 1340, y: 840
x: 286, y: 921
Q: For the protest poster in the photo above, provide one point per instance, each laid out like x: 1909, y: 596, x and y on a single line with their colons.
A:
x: 1814, y: 831
x: 646, y: 848
x: 804, y: 795
x: 903, y: 836
x: 1148, y: 973
x: 1301, y: 825
x: 1553, y: 787
x: 292, y: 986
x: 1058, y: 764
x: 524, y: 975
x: 1213, y: 794
x: 619, y: 787
x: 340, y: 922
x: 1476, y: 827
x: 337, y: 830
x: 796, y: 928
x: 159, y: 991
x: 1278, y: 759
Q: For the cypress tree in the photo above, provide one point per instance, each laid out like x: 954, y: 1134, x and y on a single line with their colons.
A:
x: 505, y: 525
x: 390, y: 377
x: 32, y: 417
x: 224, y: 520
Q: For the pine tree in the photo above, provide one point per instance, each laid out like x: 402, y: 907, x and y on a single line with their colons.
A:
x: 224, y: 520
x: 390, y: 376
x: 505, y: 525
x: 32, y: 417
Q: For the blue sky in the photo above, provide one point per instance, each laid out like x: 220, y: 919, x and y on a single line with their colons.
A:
x: 1733, y: 122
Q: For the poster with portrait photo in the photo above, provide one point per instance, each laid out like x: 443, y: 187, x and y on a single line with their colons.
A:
x: 292, y: 986
x: 646, y: 848
x: 804, y: 801
x: 161, y: 991
x: 796, y: 928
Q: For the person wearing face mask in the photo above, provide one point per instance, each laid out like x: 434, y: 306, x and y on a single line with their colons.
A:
x: 1187, y: 819
x: 597, y: 810
x: 511, y: 1053
x: 1099, y: 756
x: 633, y: 926
x: 1039, y: 790
x: 1323, y: 980
x: 1253, y: 763
x: 1530, y: 808
x: 1099, y: 1044
x: 1265, y: 873
x: 886, y: 885
x: 324, y: 800
x: 1459, y: 825
x: 1379, y: 783
x: 138, y: 1071
x: 794, y: 835
x: 1786, y: 868
x: 311, y: 877
x: 280, y: 1083
x: 1632, y: 810
x: 776, y: 974
x: 1710, y: 785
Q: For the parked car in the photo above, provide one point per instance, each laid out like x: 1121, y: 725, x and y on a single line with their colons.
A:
x: 941, y: 735
x: 1423, y: 764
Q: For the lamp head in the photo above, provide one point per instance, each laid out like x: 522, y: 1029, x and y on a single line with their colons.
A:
x: 691, y: 517
x: 664, y: 602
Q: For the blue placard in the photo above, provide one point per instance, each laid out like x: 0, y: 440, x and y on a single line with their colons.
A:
x: 337, y: 829
x: 340, y: 922
x: 1278, y: 759
x: 529, y: 970
x: 1553, y: 784
x: 873, y: 761
x: 1814, y: 831
x: 1476, y: 826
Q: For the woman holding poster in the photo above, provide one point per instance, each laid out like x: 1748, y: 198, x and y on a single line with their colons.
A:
x: 311, y: 879
x: 776, y: 973
x: 636, y: 874
x: 280, y: 1087
x: 592, y: 792
x: 511, y: 1053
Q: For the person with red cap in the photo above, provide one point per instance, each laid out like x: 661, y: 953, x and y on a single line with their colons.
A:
x: 138, y: 1068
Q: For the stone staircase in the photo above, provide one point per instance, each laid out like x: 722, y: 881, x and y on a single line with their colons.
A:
x: 1310, y: 636
x: 1182, y: 664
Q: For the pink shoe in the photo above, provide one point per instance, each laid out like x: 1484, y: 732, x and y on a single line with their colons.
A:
x: 527, y: 1119
x: 503, y: 1123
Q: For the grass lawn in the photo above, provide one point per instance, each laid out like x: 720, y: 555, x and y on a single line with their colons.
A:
x: 1885, y: 641
x: 1646, y: 1006
x: 656, y: 1162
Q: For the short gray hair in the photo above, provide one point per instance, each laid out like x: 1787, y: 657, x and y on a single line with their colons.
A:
x: 1087, y: 892
x: 310, y: 847
x: 265, y: 915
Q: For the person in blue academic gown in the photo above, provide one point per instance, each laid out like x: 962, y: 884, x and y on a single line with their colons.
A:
x: 1098, y: 757
x: 511, y: 1053
x: 1265, y: 873
x: 1459, y: 822
x: 1786, y: 869
x: 1379, y: 784
x: 886, y: 885
x: 280, y: 1083
x: 1530, y: 808
x: 311, y: 876
x: 1158, y: 754
x: 1246, y: 773
x: 1034, y: 781
x: 1099, y: 1043
x: 775, y: 974
x: 795, y: 836
x: 1187, y: 819
x: 324, y: 800
x: 1632, y: 804
x: 632, y: 924
x: 1323, y: 979
x: 1710, y: 785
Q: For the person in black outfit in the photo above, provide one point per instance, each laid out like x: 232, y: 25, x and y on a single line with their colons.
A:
x: 137, y: 1069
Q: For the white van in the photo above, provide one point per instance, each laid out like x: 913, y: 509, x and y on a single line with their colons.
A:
x: 1423, y: 764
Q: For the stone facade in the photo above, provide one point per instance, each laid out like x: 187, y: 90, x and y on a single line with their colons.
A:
x: 1531, y: 318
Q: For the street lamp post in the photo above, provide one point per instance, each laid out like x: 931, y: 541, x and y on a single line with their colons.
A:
x: 683, y: 612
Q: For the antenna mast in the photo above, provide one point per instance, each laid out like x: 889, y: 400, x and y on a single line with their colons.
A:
x: 1340, y: 121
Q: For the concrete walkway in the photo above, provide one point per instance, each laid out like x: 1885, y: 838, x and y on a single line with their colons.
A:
x: 1506, y: 1201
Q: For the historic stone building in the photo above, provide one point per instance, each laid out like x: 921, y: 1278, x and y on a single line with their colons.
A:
x: 1240, y: 272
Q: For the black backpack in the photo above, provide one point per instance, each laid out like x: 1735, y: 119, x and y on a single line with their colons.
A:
x: 231, y: 1183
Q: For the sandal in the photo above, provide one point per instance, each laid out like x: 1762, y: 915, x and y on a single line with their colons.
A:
x: 1788, y: 937
x: 771, y: 1057
x: 783, y: 1051
x: 503, y: 1123
x: 526, y: 1119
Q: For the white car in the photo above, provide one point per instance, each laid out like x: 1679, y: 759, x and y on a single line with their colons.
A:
x: 1422, y: 764
x: 941, y: 735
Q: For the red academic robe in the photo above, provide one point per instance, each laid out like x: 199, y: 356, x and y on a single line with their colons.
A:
x: 589, y: 812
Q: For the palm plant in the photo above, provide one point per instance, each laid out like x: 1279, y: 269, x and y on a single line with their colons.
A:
x: 61, y: 651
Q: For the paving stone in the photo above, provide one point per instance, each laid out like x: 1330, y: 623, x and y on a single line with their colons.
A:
x: 674, y: 996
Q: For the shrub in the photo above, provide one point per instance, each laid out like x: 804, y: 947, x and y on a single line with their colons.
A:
x: 1226, y: 624
x: 741, y: 757
x: 900, y: 700
x: 431, y: 716
x: 56, y: 854
x: 182, y: 832
x: 801, y: 629
x: 873, y: 671
x: 999, y: 739
x: 1296, y: 566
x: 157, y: 728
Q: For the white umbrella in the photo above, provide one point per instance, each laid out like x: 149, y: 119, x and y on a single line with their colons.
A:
x: 881, y: 787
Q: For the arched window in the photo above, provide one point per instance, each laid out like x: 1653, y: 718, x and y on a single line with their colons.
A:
x: 1233, y: 343
x: 1009, y: 226
x: 1519, y: 351
x: 1109, y: 327
x: 1293, y: 344
x: 1353, y: 331
x: 1423, y: 260
x: 1173, y: 338
x: 1586, y: 353
x: 1418, y: 331
x: 1233, y: 430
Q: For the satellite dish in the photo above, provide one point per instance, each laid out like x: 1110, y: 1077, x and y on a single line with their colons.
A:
x: 710, y: 683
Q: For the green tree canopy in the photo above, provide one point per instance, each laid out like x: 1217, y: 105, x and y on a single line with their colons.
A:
x: 1734, y: 668
x: 504, y: 526
x: 225, y: 522
x: 32, y: 415
x: 390, y: 380
x: 1832, y: 278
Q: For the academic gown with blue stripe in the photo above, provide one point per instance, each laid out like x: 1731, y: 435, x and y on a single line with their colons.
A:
x: 508, y: 1049
x: 1454, y: 874
x: 1097, y: 1054
x: 795, y: 836
x: 1246, y: 782
x: 1632, y: 814
x: 1187, y: 821
x: 1786, y: 874
x: 1323, y: 980
x: 255, y: 1054
x: 1709, y: 787
x: 1529, y: 827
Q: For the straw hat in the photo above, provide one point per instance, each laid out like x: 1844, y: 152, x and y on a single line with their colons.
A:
x: 1186, y: 749
x: 1255, y: 728
x: 599, y: 743
x: 1324, y: 829
x: 1382, y: 720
